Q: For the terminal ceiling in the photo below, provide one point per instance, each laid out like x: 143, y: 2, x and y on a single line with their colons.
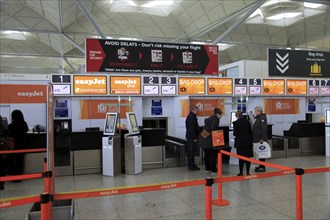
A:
x: 48, y: 36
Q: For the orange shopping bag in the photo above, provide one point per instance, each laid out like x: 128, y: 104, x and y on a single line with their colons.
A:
x: 218, y: 138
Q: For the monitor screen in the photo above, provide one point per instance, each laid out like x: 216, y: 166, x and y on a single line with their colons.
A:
x: 232, y: 119
x: 110, y: 124
x: 133, y: 126
x: 327, y: 116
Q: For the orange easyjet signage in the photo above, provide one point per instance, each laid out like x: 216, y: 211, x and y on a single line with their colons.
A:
x: 89, y: 85
x: 296, y: 87
x: 282, y: 106
x: 206, y: 106
x: 219, y: 86
x: 129, y: 85
x: 97, y: 109
x: 18, y: 93
x: 273, y: 86
x: 191, y: 86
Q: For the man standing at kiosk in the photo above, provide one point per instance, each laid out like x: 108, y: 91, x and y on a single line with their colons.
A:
x: 192, y: 133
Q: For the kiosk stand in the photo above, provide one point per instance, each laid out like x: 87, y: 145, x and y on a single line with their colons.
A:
x: 232, y: 160
x: 327, y: 132
x: 133, y: 146
x: 111, y: 156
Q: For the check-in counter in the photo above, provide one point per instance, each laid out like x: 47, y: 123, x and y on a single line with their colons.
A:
x: 153, y: 142
x: 87, y: 152
x: 305, y: 138
x: 33, y: 162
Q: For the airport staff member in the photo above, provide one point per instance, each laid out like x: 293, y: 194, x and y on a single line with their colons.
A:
x: 192, y: 132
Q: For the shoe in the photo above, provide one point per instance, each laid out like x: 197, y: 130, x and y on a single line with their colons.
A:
x: 214, y: 172
x: 240, y: 174
x: 259, y: 169
x: 197, y: 168
x: 194, y: 168
x: 207, y: 171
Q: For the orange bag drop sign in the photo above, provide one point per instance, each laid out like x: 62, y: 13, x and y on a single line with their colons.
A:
x: 218, y: 138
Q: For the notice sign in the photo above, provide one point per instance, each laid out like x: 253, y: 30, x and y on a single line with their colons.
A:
x: 296, y: 87
x: 219, y: 86
x: 129, y: 85
x: 273, y: 86
x: 89, y: 85
x: 191, y: 86
x: 103, y: 55
x: 298, y: 63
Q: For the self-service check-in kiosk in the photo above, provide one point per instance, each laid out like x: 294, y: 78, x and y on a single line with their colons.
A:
x: 133, y: 146
x: 327, y: 132
x: 111, y: 155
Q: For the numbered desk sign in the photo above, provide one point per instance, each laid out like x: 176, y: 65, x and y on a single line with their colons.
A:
x: 262, y: 151
x: 218, y: 138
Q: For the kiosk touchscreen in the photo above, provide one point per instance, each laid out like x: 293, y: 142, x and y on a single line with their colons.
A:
x: 111, y: 155
x: 133, y: 146
x: 232, y: 118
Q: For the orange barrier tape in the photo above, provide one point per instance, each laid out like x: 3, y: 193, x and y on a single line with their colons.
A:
x: 21, y: 177
x: 257, y: 161
x: 126, y: 190
x: 316, y: 170
x: 17, y: 202
x: 23, y: 151
x: 255, y: 176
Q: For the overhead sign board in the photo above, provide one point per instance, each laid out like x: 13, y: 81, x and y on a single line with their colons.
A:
x: 89, y: 85
x: 104, y: 55
x: 220, y: 86
x: 191, y: 86
x: 273, y: 86
x: 296, y: 87
x: 129, y: 85
x: 298, y: 63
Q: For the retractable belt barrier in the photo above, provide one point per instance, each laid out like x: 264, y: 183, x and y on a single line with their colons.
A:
x: 36, y: 150
x: 209, y: 181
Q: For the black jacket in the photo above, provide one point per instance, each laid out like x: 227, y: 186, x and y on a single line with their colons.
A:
x: 18, y: 132
x: 192, y: 128
x: 211, y: 124
x: 260, y: 128
x: 242, y: 133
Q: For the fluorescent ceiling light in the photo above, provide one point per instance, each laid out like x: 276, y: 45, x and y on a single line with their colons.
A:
x: 311, y: 5
x: 127, y: 38
x: 224, y: 46
x: 14, y: 35
x: 284, y: 15
x: 197, y: 42
x: 157, y: 3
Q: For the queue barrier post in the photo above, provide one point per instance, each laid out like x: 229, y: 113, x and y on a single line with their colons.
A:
x: 220, y: 201
x: 208, y: 197
x: 299, y: 211
x: 48, y: 181
x: 46, y: 206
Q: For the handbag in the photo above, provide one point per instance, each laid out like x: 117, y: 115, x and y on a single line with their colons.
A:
x: 218, y: 138
x: 205, y: 133
x: 262, y: 151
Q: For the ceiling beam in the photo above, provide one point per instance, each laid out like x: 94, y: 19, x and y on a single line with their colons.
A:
x: 74, y: 43
x: 234, y: 26
x: 323, y: 2
x: 90, y: 18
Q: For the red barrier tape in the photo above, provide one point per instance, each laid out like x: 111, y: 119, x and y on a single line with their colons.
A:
x: 280, y: 167
x: 17, y: 202
x: 316, y: 170
x: 21, y: 177
x: 126, y: 190
x: 23, y: 151
x: 255, y: 176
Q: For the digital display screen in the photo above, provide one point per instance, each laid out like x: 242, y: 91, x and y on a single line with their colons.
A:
x: 191, y: 86
x: 61, y: 112
x: 255, y: 90
x: 273, y: 86
x: 220, y: 86
x: 313, y: 90
x: 151, y: 90
x: 133, y: 125
x: 327, y: 116
x: 110, y: 124
x: 169, y: 90
x: 129, y: 85
x: 240, y: 90
x: 325, y: 91
x: 296, y: 87
x: 62, y: 89
x: 61, y: 103
x: 89, y: 85
x: 232, y: 119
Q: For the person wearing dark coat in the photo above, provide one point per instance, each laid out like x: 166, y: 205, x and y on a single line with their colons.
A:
x: 259, y: 132
x: 210, y: 154
x: 243, y: 141
x: 192, y: 132
x: 17, y: 129
x: 3, y: 136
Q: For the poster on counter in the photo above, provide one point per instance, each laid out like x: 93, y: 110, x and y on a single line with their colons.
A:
x: 104, y: 55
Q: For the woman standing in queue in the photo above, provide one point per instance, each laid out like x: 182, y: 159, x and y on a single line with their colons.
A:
x: 243, y: 141
x: 17, y: 129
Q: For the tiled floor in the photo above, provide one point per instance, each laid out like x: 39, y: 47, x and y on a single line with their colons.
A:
x: 271, y: 198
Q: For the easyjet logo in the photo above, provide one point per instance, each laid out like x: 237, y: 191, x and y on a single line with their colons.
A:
x: 30, y: 94
x: 95, y: 81
x: 125, y: 82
